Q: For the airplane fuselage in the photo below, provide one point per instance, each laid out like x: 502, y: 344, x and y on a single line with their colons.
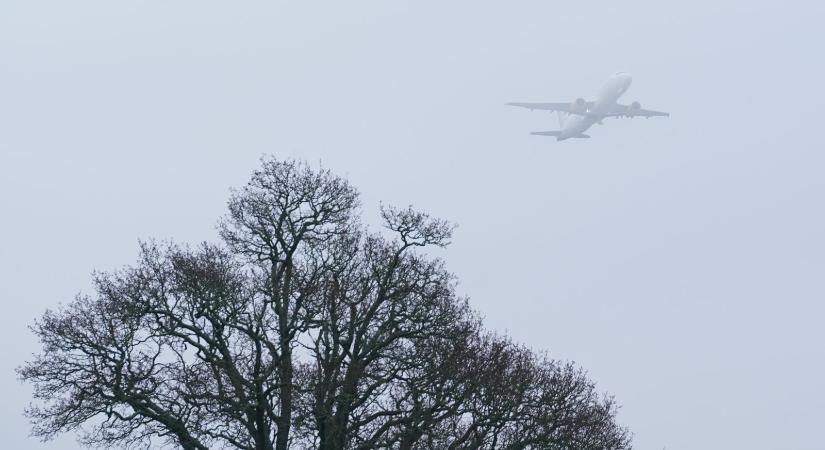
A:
x: 606, y: 98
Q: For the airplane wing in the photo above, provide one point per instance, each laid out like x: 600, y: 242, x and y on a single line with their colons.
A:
x: 567, y: 107
x: 634, y: 110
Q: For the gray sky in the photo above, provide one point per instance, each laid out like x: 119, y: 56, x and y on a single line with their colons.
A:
x: 680, y: 260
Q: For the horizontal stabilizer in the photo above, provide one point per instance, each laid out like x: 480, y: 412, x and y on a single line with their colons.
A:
x: 558, y: 133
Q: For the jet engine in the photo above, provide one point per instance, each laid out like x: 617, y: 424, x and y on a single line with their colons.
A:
x: 579, y: 106
x: 633, y: 108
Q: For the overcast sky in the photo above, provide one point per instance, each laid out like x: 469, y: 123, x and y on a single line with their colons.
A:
x: 681, y: 261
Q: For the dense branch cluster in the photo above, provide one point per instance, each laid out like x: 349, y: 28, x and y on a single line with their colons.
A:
x: 301, y: 330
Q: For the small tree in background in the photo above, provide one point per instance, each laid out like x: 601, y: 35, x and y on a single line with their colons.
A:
x: 301, y: 330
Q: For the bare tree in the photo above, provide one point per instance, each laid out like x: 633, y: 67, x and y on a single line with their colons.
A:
x: 304, y: 330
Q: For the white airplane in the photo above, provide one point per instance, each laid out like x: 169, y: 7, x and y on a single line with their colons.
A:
x: 575, y: 118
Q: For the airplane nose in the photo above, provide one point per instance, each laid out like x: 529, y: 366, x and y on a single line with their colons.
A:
x: 627, y: 78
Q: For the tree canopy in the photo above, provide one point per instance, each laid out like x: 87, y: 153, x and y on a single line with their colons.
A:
x: 301, y: 329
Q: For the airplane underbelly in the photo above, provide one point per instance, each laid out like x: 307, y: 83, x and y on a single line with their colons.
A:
x: 603, y: 107
x: 577, y: 125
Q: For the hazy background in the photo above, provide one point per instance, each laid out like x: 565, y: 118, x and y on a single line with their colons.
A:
x: 680, y: 260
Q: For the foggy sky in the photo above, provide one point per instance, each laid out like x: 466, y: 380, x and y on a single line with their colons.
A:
x: 679, y: 260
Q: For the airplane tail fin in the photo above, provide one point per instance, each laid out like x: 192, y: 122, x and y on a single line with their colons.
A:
x: 562, y: 117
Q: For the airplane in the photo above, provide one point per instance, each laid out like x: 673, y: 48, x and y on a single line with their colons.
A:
x: 576, y: 117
